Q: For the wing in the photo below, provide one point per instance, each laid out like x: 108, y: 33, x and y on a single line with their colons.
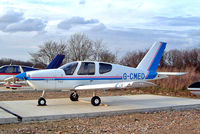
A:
x: 119, y: 85
x: 1, y: 83
x: 9, y: 79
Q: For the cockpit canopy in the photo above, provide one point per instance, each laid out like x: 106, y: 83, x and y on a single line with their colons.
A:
x: 86, y: 68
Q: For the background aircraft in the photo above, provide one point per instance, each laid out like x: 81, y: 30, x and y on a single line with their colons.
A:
x: 82, y: 75
x: 194, y: 88
x: 8, y: 72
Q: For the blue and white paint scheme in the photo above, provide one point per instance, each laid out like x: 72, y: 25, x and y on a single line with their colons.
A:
x: 82, y: 75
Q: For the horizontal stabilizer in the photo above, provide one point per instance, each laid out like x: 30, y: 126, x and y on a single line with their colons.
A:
x: 172, y: 73
x: 162, y: 75
x: 119, y: 85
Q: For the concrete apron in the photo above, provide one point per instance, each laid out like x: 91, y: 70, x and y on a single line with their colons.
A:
x: 27, y: 110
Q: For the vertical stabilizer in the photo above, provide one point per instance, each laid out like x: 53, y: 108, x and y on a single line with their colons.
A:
x: 151, y: 60
x: 57, y: 61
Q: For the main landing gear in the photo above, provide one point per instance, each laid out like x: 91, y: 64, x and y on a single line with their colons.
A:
x: 41, y: 100
x: 95, y: 101
x: 74, y: 96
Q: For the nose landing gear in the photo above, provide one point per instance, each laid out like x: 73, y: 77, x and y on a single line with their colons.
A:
x: 41, y: 100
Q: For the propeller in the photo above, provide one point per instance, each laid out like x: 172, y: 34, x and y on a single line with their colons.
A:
x: 21, y: 76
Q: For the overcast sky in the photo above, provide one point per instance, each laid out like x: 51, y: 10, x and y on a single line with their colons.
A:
x: 124, y: 25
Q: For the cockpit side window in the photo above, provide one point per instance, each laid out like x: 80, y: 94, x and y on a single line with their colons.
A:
x: 87, y: 68
x: 104, y: 68
x: 2, y: 69
x: 69, y: 68
x: 11, y: 69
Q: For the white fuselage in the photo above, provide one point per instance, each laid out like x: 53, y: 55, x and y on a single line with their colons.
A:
x: 57, y: 79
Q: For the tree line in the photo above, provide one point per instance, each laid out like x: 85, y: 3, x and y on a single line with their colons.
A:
x: 80, y: 47
x: 179, y: 59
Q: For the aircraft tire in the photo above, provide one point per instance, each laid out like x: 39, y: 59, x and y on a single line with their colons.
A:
x: 95, y: 101
x: 74, y: 96
x: 41, y: 101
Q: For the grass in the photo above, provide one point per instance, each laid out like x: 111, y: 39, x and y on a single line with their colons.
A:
x: 175, y: 85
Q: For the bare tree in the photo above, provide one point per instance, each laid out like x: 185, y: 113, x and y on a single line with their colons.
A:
x: 101, y: 53
x: 133, y: 58
x: 79, y: 47
x: 98, y: 48
x: 48, y: 51
x: 107, y: 56
x: 173, y: 58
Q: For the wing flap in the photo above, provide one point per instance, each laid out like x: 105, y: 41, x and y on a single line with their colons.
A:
x: 119, y: 85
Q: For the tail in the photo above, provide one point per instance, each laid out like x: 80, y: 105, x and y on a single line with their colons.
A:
x: 152, y: 59
x: 56, y: 62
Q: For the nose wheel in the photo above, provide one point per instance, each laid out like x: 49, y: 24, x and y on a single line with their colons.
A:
x: 42, y: 100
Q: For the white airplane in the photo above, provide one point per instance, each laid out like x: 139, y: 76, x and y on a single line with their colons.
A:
x: 84, y: 75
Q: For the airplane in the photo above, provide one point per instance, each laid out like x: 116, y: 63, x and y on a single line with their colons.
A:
x: 84, y: 75
x: 8, y: 72
x: 194, y: 88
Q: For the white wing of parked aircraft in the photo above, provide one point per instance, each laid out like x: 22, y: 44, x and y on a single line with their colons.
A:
x: 82, y: 75
x: 116, y: 85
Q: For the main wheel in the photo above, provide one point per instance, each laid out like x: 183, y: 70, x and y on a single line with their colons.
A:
x: 74, y: 96
x: 41, y: 101
x: 95, y: 101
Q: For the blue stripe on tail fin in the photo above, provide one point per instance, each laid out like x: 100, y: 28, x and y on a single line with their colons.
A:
x: 151, y: 60
x: 57, y: 61
x: 156, y: 60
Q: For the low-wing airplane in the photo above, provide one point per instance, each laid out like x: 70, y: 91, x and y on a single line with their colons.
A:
x: 82, y: 75
x: 194, y: 88
x: 8, y: 72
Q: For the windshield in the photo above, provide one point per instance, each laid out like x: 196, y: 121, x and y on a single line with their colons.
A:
x: 69, y: 68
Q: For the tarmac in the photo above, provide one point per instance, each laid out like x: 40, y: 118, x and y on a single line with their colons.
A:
x: 56, y: 109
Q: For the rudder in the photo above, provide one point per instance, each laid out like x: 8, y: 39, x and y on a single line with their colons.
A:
x: 151, y: 60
